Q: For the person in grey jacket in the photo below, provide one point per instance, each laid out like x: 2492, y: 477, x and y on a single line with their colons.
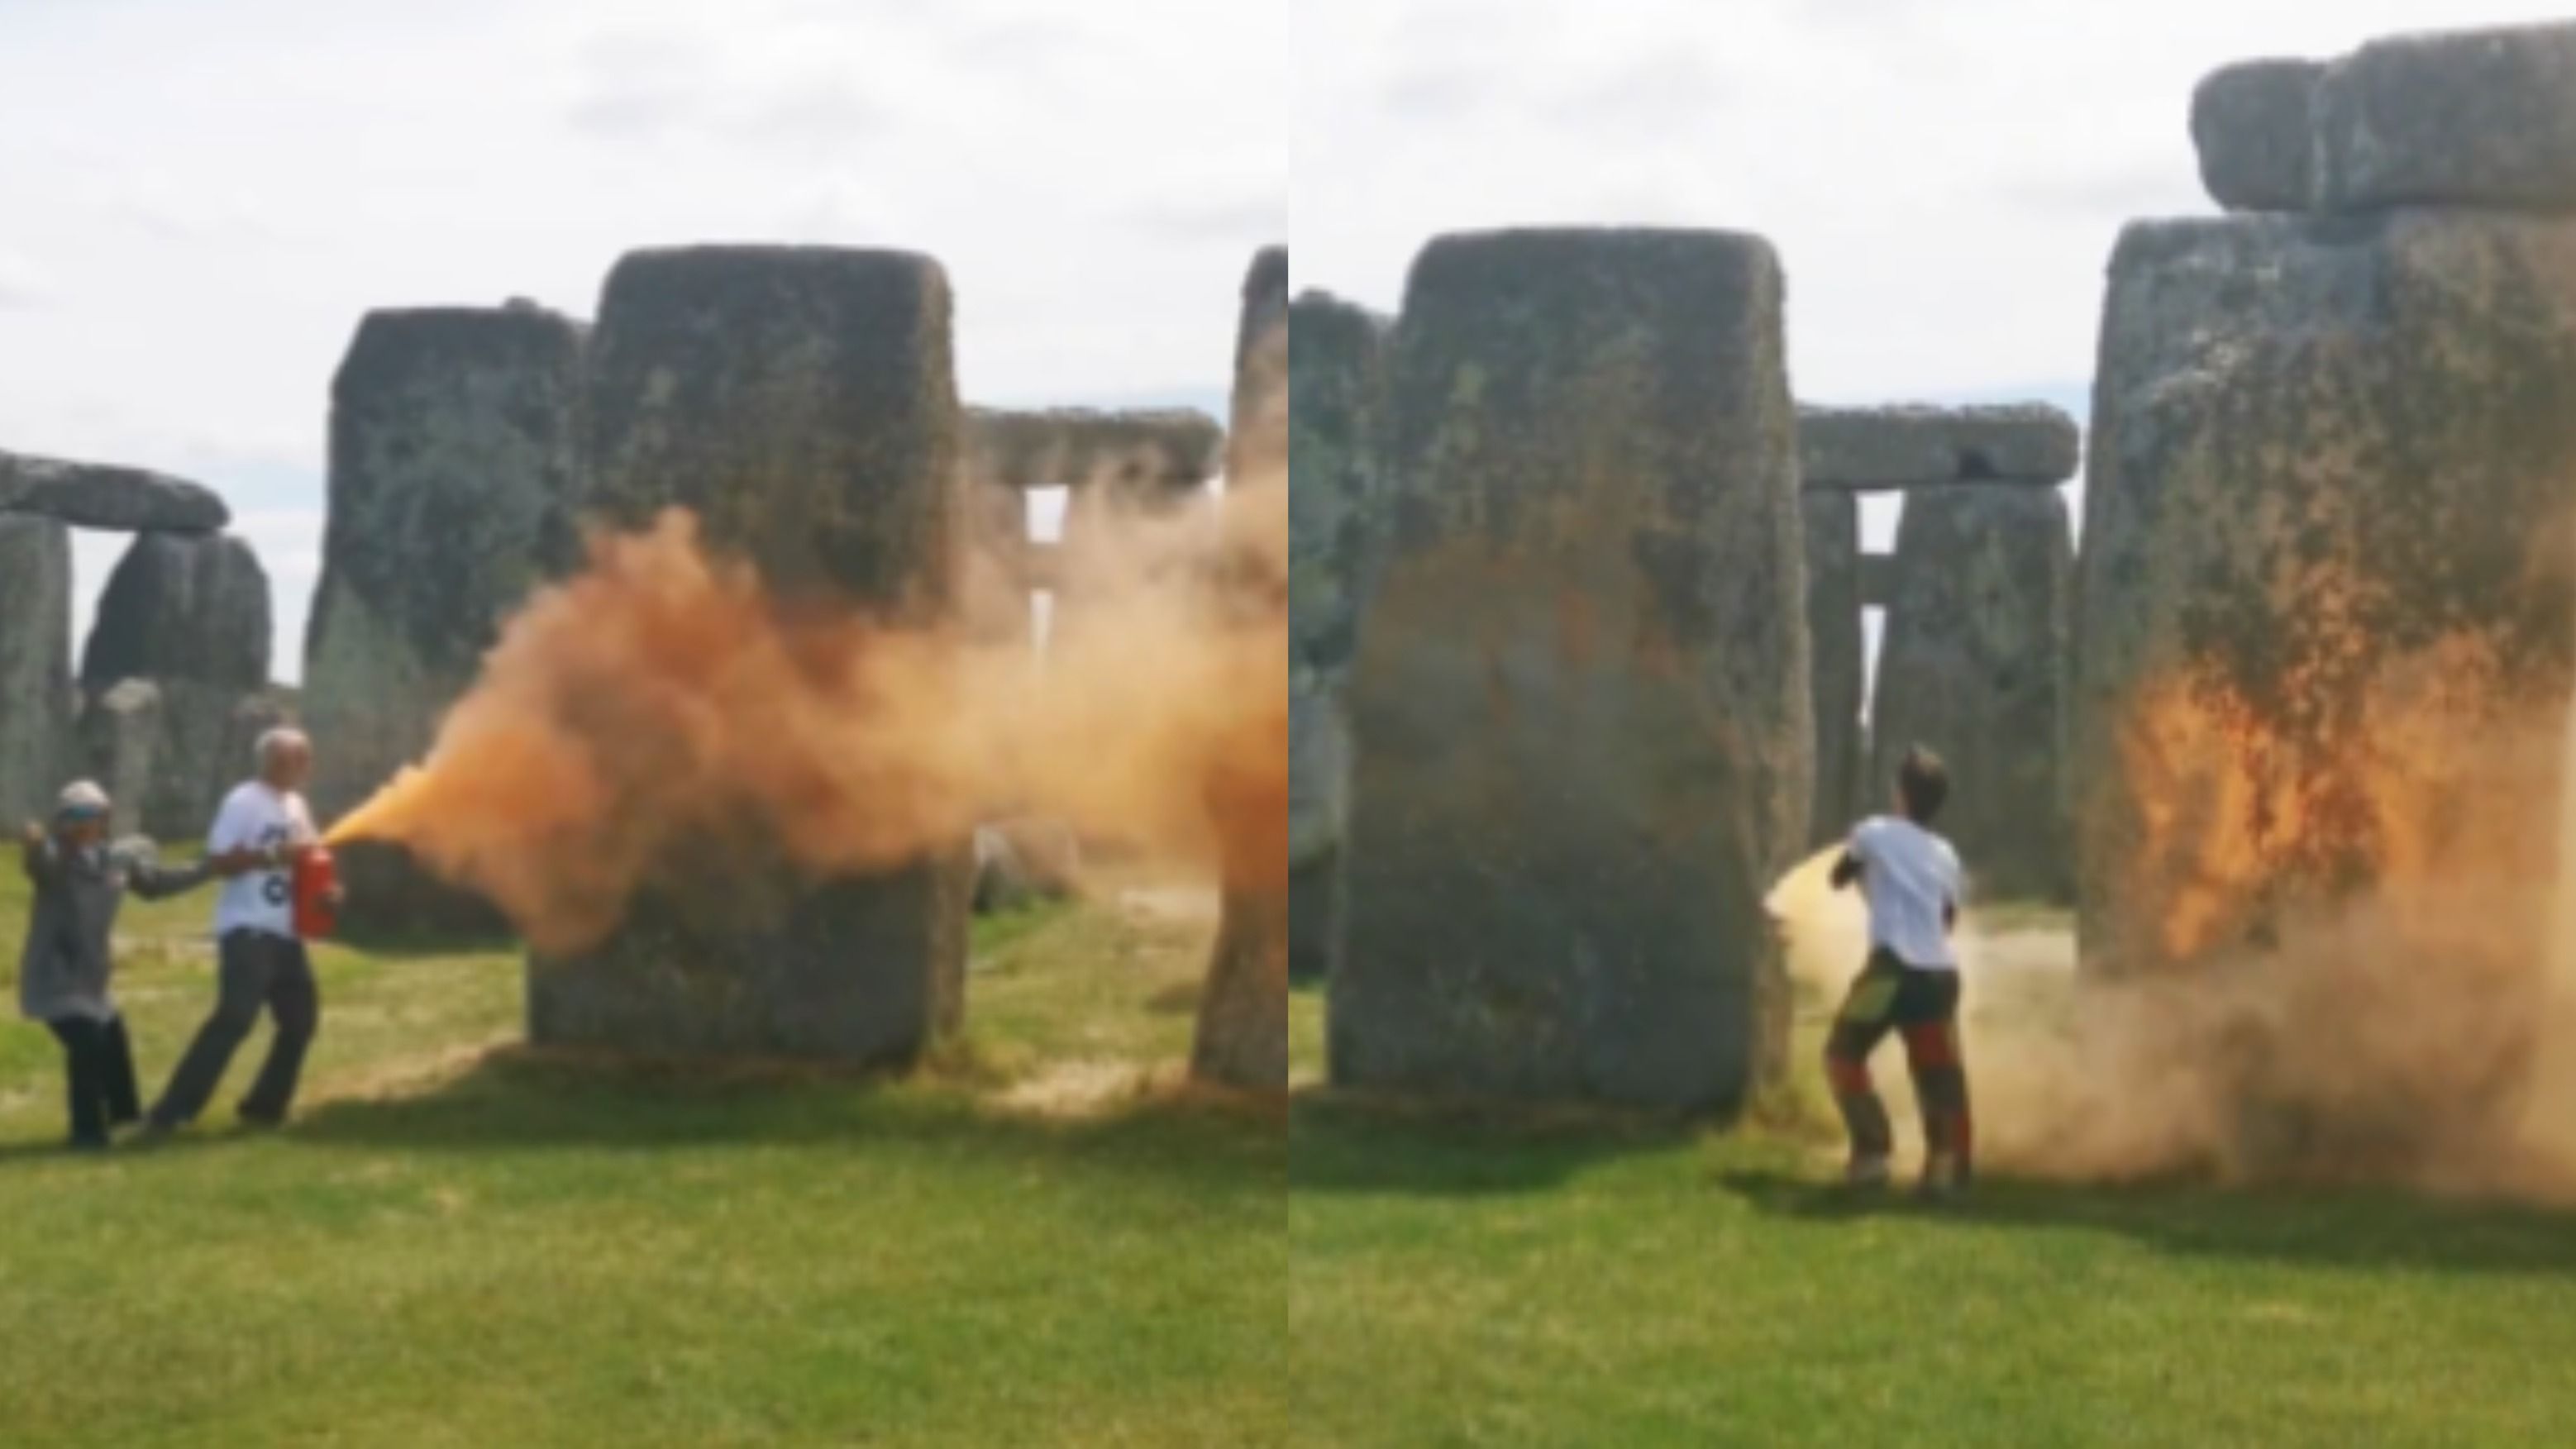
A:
x: 80, y: 882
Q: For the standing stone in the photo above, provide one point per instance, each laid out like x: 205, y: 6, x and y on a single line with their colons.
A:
x: 1243, y: 1011
x: 1877, y: 580
x: 191, y: 614
x: 453, y: 438
x: 1334, y: 382
x: 1837, y: 666
x: 257, y: 713
x: 2327, y: 632
x: 1973, y: 665
x: 998, y: 605
x: 1581, y: 700
x: 36, y: 698
x: 182, y: 607
x: 1318, y: 804
x: 803, y: 402
x: 121, y: 730
x: 2251, y: 125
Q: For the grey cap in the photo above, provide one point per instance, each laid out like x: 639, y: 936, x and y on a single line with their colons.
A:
x: 80, y: 798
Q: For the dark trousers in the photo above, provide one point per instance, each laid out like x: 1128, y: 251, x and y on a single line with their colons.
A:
x: 99, y: 1065
x: 257, y: 970
x: 1922, y: 1007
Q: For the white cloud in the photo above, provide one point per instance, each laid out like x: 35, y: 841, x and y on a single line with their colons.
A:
x: 216, y: 210
x: 21, y: 284
x: 1944, y: 178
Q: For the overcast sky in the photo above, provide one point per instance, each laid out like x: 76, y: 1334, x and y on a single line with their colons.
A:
x: 199, y: 197
x: 1943, y: 178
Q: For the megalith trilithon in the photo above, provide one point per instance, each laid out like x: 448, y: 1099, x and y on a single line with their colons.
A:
x: 36, y: 695
x: 453, y: 439
x: 191, y: 613
x: 1334, y: 382
x: 2327, y: 615
x: 1973, y: 666
x: 1243, y: 1009
x: 802, y: 402
x: 1109, y: 463
x: 1972, y: 659
x: 1580, y: 706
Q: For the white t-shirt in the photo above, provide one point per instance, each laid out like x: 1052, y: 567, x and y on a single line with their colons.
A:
x: 1910, y: 876
x: 261, y: 900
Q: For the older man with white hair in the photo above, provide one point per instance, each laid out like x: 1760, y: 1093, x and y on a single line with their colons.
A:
x: 258, y: 835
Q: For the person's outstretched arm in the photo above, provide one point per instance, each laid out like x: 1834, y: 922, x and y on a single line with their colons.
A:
x: 37, y: 853
x: 1846, y: 870
x: 154, y: 881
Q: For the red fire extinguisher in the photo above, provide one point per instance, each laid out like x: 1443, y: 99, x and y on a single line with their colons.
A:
x: 316, y: 878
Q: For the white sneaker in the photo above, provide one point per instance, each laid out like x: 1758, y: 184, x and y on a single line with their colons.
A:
x: 1865, y: 1172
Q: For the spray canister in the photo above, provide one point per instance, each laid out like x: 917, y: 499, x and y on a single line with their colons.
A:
x: 316, y: 877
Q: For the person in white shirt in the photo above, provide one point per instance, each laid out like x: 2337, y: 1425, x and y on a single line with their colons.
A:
x: 1910, y: 983
x: 258, y: 835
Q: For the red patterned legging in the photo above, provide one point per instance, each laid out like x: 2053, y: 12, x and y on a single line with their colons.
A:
x: 1923, y: 1008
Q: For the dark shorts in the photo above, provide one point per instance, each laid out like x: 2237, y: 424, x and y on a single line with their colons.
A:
x: 1890, y: 994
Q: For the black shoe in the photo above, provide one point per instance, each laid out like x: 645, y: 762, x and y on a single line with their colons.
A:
x: 252, y: 1121
x: 88, y: 1144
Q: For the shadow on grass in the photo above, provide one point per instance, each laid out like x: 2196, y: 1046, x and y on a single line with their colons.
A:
x: 516, y: 1099
x: 428, y: 946
x: 1342, y: 1142
x: 55, y: 1149
x: 2319, y: 1227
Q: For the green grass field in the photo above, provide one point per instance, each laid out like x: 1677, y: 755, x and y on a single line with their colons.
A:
x: 1039, y: 1241
x: 462, y: 1245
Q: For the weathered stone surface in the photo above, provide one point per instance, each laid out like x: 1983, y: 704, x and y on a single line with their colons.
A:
x: 2256, y: 141
x: 1318, y: 789
x: 1580, y: 704
x: 803, y: 402
x: 36, y: 696
x: 1318, y: 769
x: 1000, y: 575
x: 1146, y: 453
x: 103, y: 496
x: 181, y: 607
x: 120, y: 732
x: 1837, y: 665
x: 1242, y: 1038
x: 1867, y: 449
x: 2327, y: 619
x: 1973, y: 664
x: 453, y: 439
x: 1877, y: 580
x: 255, y: 714
x: 1333, y: 495
x: 197, y: 760
x: 2477, y: 118
x: 1334, y: 506
x: 191, y: 613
